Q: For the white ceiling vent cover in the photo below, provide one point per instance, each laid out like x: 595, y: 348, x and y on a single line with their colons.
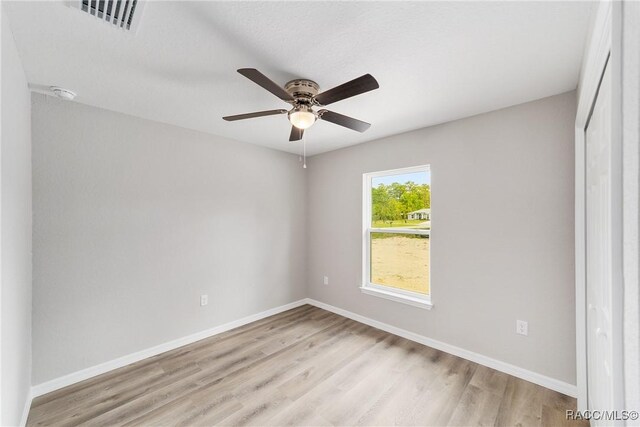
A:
x: 121, y: 14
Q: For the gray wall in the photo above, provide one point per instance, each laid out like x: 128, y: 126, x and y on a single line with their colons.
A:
x: 15, y: 373
x: 134, y: 219
x: 502, y: 242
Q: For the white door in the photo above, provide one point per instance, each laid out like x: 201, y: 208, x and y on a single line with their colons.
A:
x: 599, y: 238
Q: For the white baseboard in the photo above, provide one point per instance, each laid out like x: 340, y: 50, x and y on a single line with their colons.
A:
x: 75, y: 377
x: 58, y: 383
x: 516, y: 371
x: 27, y: 407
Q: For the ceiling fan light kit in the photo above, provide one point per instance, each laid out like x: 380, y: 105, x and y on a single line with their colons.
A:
x: 303, y: 95
x: 302, y: 117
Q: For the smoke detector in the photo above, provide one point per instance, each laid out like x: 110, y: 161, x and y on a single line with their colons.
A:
x: 62, y: 93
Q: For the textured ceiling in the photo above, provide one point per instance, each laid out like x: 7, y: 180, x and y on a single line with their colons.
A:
x: 435, y: 61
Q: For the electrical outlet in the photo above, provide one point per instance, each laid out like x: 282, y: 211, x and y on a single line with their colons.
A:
x: 326, y: 280
x: 522, y: 327
x: 204, y: 300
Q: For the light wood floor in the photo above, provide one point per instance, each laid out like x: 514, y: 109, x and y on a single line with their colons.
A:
x: 303, y: 367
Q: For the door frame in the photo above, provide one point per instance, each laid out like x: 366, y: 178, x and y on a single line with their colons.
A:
x: 597, y: 56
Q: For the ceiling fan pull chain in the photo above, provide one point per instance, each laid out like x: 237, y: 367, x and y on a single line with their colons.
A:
x: 304, y: 152
x: 300, y: 156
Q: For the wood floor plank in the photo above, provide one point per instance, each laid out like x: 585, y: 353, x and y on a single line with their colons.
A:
x: 429, y: 396
x: 490, y: 380
x: 332, y: 397
x: 249, y: 331
x: 379, y: 385
x: 521, y: 404
x: 60, y: 407
x: 477, y: 407
x: 224, y: 384
x: 306, y: 367
x: 78, y: 413
x: 213, y: 370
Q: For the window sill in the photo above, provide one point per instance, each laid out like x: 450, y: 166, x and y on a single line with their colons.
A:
x: 393, y: 296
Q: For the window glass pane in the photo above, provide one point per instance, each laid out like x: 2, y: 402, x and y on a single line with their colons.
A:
x: 400, y: 261
x: 402, y: 200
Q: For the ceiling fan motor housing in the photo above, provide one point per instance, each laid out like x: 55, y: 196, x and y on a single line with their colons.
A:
x: 302, y: 90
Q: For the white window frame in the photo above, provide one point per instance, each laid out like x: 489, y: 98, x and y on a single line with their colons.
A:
x: 399, y: 295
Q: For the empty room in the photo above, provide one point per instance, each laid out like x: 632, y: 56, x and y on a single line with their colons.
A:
x: 319, y: 213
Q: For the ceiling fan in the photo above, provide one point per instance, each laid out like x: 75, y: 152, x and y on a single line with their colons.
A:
x: 303, y: 95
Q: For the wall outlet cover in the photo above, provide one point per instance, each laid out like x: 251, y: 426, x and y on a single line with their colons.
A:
x: 522, y: 327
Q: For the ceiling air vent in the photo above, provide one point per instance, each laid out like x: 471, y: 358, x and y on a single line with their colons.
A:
x: 123, y: 14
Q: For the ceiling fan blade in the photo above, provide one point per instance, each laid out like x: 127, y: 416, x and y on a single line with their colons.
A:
x: 342, y: 120
x: 346, y: 90
x: 253, y: 115
x: 261, y: 80
x: 296, y: 134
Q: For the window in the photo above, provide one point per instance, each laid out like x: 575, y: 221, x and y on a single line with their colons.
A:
x: 396, y: 235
